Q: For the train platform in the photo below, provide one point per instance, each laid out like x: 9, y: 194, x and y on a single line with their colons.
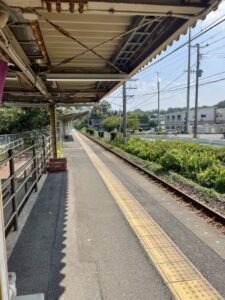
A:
x: 102, y: 230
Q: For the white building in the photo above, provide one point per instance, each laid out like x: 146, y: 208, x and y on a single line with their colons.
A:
x: 210, y: 120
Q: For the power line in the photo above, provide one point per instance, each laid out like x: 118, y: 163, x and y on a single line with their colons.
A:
x: 186, y: 43
x: 183, y: 85
x: 178, y: 89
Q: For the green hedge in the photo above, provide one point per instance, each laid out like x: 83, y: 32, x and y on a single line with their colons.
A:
x: 202, y: 163
x: 90, y: 131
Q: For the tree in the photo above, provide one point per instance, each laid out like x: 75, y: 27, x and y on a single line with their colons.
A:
x: 132, y: 122
x: 111, y: 123
x: 143, y: 116
x: 10, y: 120
x: 13, y: 120
x: 102, y: 109
x: 221, y: 104
x: 79, y: 124
x: 153, y: 123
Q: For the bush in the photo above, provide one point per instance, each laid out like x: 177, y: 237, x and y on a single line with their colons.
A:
x: 90, y: 131
x: 208, y: 177
x: 200, y: 163
x: 195, y: 162
x: 113, y: 136
x: 101, y: 134
x: 172, y: 160
x: 220, y: 182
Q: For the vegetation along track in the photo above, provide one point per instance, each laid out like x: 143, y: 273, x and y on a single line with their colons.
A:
x: 212, y: 214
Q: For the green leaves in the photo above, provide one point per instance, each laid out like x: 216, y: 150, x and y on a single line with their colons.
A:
x: 111, y: 123
x: 172, y: 160
x: 13, y: 120
x: 200, y: 163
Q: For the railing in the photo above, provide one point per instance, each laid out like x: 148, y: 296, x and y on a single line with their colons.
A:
x: 21, y: 172
x: 16, y: 145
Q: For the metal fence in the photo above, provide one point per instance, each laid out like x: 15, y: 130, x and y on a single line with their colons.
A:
x: 34, y: 134
x: 17, y: 145
x: 20, y: 172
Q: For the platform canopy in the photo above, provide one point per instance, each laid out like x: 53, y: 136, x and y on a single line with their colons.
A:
x: 73, y: 116
x: 78, y: 51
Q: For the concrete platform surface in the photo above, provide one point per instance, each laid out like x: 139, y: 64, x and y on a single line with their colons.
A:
x: 77, y: 244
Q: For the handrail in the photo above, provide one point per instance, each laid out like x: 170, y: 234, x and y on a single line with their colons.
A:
x: 22, y: 181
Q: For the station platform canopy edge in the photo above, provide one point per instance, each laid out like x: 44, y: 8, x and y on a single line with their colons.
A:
x: 77, y: 52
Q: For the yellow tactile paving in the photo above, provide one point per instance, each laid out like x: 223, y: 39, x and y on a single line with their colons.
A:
x: 165, y: 254
x: 147, y: 230
x: 155, y: 241
x: 180, y: 275
x: 194, y: 289
x: 179, y: 271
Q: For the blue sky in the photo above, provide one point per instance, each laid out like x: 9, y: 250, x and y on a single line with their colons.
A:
x: 175, y: 66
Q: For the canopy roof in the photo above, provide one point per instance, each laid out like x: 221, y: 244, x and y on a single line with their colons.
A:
x: 76, y: 52
x: 73, y: 116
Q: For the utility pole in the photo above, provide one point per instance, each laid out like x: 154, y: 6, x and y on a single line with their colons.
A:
x: 196, y: 91
x: 124, y: 112
x: 120, y: 121
x: 158, y: 88
x: 188, y: 84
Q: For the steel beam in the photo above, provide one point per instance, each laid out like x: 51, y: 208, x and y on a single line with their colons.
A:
x: 86, y: 77
x: 128, y: 8
x: 11, y: 46
x: 131, y: 9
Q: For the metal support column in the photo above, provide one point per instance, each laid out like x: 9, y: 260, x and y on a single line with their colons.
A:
x: 158, y: 89
x: 188, y: 84
x: 124, y: 112
x: 4, y: 284
x: 196, y: 92
x: 13, y: 187
x: 35, y: 167
x: 53, y: 128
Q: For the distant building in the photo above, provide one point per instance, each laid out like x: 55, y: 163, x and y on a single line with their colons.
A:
x: 210, y: 120
x: 95, y: 123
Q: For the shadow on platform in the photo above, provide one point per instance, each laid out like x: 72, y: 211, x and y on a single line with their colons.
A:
x: 38, y: 255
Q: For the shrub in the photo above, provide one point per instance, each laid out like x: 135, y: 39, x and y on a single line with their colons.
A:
x: 113, y: 135
x: 90, y: 131
x: 200, y: 163
x: 196, y: 162
x: 101, y: 134
x: 208, y: 177
x: 172, y: 160
x: 220, y: 182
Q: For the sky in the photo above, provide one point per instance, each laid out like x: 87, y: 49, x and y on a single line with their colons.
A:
x: 173, y: 72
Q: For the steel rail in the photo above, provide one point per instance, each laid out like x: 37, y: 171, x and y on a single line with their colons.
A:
x: 216, y: 216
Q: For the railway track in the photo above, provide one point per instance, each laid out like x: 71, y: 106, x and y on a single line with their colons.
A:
x: 212, y: 214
